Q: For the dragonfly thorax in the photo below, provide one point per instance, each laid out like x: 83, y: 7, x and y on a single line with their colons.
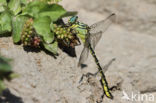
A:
x: 80, y: 29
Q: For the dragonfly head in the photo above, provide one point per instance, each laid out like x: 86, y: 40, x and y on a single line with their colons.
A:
x: 73, y: 20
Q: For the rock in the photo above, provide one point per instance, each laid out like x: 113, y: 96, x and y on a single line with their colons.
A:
x: 43, y: 79
x: 134, y: 15
x: 47, y: 80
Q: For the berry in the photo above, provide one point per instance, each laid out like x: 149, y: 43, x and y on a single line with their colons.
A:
x: 65, y: 35
x: 29, y: 37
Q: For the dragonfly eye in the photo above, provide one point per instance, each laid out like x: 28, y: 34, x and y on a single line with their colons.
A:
x: 73, y: 20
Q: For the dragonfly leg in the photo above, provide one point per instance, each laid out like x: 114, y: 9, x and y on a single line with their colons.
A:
x: 116, y: 87
x: 94, y: 74
x: 88, y: 75
x: 102, y: 96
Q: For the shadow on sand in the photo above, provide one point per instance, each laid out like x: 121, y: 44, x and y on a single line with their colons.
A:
x: 8, y: 97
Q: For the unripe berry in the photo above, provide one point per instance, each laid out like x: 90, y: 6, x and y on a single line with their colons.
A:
x: 28, y: 34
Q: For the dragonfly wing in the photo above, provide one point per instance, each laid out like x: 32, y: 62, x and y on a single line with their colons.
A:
x: 94, y: 39
x: 83, y: 56
x: 102, y: 25
x: 105, y: 68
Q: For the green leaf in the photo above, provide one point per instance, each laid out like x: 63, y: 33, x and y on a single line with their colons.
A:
x: 2, y: 4
x: 5, y: 22
x: 4, y: 65
x: 52, y: 26
x: 51, y: 47
x: 56, y: 1
x: 33, y: 8
x: 42, y: 27
x: 24, y: 2
x: 5, y: 59
x: 72, y: 13
x: 2, y: 8
x: 17, y: 24
x: 38, y: 9
x: 54, y: 11
x: 13, y: 75
x: 53, y: 1
x: 15, y: 6
x: 2, y: 86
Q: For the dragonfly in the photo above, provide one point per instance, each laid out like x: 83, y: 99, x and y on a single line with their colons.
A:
x: 90, y: 36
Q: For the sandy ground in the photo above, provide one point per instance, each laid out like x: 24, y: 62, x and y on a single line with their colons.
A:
x: 131, y: 40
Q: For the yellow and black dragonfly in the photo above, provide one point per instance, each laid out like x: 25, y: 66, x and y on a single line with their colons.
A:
x: 90, y: 35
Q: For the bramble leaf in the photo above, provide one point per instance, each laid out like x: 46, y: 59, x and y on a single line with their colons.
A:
x: 42, y: 27
x: 17, y: 24
x: 4, y: 65
x: 2, y: 86
x: 5, y: 22
x: 54, y: 11
x: 51, y: 1
x: 2, y: 4
x: 39, y: 9
x: 33, y: 8
x: 69, y: 13
x: 5, y: 72
x: 15, y: 6
x: 13, y: 75
x: 51, y: 47
x: 51, y: 26
x: 24, y: 2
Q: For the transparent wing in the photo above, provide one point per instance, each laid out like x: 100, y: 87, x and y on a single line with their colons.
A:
x: 105, y: 68
x: 94, y: 39
x: 102, y: 26
x: 90, y: 39
x: 95, y: 33
x: 83, y: 56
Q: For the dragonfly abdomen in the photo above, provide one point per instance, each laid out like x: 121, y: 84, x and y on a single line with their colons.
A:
x: 103, y: 78
x: 94, y: 56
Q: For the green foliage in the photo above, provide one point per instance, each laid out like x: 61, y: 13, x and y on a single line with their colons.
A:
x: 17, y: 25
x: 54, y: 11
x: 15, y: 6
x: 24, y: 2
x: 43, y: 13
x: 67, y: 14
x: 33, y: 8
x: 5, y: 72
x: 2, y: 86
x: 51, y: 1
x: 51, y: 47
x: 2, y: 4
x: 42, y: 27
x: 5, y: 22
x: 4, y: 65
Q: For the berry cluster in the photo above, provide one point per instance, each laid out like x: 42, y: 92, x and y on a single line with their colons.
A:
x: 35, y: 41
x: 29, y: 37
x: 66, y: 35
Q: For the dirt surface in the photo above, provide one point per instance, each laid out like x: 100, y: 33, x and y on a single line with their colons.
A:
x: 131, y: 40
